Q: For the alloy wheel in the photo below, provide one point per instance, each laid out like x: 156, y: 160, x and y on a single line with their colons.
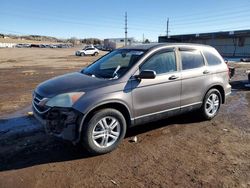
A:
x: 212, y: 104
x: 106, y: 132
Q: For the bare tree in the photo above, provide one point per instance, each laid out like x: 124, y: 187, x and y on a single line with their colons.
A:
x: 73, y: 40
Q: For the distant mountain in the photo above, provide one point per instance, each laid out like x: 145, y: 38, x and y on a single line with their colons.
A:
x: 41, y: 38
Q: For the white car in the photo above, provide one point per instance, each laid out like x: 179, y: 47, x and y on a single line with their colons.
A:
x: 87, y: 51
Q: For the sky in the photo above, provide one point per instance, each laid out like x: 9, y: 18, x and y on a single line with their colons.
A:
x: 106, y: 19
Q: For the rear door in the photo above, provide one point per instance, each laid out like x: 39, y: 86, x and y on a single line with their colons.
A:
x: 153, y: 98
x: 195, y: 76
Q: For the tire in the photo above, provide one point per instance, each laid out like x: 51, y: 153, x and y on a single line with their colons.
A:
x: 211, y: 104
x: 82, y: 54
x: 107, y: 138
x: 95, y: 54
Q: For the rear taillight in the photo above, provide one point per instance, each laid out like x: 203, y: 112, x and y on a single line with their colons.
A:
x: 228, y: 71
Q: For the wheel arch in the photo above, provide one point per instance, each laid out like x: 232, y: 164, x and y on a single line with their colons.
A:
x: 220, y: 89
x: 112, y: 104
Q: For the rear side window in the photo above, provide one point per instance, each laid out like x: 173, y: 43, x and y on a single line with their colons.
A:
x: 212, y: 58
x: 191, y: 59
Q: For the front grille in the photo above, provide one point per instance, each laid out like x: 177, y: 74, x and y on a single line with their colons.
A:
x: 36, y: 100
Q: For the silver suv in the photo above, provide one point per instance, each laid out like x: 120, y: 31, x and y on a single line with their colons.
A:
x: 128, y: 87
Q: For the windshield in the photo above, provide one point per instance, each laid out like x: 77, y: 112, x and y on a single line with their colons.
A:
x: 114, y: 65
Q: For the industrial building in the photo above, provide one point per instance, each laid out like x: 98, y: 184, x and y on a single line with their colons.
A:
x: 228, y: 43
x: 113, y: 43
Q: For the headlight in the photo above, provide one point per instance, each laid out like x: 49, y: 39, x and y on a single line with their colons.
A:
x: 64, y: 100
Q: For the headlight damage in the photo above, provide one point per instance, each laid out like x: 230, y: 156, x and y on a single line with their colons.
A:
x: 57, y: 114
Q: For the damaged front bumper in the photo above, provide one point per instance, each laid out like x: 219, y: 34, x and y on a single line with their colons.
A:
x: 60, y: 122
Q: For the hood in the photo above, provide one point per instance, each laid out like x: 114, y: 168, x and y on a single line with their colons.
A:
x: 71, y: 82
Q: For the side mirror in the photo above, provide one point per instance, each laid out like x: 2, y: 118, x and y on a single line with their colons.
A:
x: 146, y: 74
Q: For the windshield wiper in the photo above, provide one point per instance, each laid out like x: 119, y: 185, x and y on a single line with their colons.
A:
x: 89, y: 74
x: 115, y: 75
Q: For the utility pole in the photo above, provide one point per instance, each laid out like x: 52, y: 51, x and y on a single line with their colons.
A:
x: 143, y: 38
x: 167, y: 31
x: 126, y: 29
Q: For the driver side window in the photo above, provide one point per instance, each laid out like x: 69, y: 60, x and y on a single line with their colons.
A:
x: 161, y: 63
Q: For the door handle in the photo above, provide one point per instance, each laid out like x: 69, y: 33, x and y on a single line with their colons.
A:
x: 173, y: 77
x: 205, y: 72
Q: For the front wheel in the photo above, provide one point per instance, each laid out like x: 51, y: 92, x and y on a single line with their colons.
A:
x: 104, y: 131
x: 211, y: 104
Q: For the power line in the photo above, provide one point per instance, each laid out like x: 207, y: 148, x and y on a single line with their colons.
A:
x: 238, y: 16
x: 183, y: 24
x: 211, y: 19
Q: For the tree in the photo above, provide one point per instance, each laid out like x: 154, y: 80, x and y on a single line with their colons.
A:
x: 146, y: 41
x: 73, y: 40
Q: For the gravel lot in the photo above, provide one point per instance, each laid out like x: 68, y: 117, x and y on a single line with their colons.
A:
x: 183, y: 151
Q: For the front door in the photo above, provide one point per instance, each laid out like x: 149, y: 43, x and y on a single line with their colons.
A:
x: 154, y: 98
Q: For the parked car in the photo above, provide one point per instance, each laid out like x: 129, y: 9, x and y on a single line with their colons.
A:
x: 231, y: 71
x: 245, y: 59
x: 131, y: 86
x: 99, y: 47
x: 53, y: 46
x: 23, y: 45
x: 248, y: 75
x: 87, y: 51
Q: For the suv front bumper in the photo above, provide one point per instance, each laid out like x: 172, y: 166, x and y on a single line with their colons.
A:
x: 60, y: 122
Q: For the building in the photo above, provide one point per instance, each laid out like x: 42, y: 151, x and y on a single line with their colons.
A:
x: 113, y: 43
x: 7, y: 45
x: 228, y: 43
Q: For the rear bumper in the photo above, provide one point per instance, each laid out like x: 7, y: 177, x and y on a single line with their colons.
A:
x: 227, y: 91
x: 60, y: 122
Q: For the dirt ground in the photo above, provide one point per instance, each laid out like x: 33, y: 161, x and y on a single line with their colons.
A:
x: 177, y: 152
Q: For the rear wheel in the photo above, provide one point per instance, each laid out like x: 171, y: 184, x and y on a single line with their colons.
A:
x: 104, y: 131
x: 211, y: 104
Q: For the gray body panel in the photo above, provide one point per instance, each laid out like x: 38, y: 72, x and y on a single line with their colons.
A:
x: 156, y: 95
x: 145, y: 99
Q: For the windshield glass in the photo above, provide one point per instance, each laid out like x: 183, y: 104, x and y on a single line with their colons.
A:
x: 114, y: 65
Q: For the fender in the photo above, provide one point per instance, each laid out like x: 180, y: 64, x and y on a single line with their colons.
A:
x: 215, y: 85
x: 91, y: 108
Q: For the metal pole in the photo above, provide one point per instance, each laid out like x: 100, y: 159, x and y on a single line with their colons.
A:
x: 167, y: 27
x: 126, y: 29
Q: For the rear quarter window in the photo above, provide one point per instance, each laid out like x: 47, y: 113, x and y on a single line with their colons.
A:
x: 211, y: 57
x: 191, y: 59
